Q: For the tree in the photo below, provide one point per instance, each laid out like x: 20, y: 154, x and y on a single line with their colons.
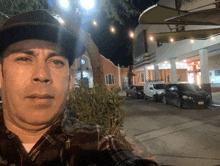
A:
x: 13, y: 7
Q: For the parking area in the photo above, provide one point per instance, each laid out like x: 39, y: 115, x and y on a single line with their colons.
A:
x: 171, y: 135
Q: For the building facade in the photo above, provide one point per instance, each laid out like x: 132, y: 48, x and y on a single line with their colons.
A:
x: 188, y: 60
x: 114, y: 76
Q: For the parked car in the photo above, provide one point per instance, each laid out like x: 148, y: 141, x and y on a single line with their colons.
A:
x: 129, y: 90
x: 186, y: 96
x: 135, y: 91
x: 154, y: 89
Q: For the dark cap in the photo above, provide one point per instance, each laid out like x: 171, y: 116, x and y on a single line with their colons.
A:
x: 41, y: 25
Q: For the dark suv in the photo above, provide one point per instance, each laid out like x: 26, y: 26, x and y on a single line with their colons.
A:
x: 186, y: 95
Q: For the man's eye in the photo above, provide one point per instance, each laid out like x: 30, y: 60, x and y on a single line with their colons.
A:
x: 23, y: 59
x: 59, y: 63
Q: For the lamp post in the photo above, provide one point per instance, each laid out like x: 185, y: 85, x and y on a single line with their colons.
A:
x: 76, y: 10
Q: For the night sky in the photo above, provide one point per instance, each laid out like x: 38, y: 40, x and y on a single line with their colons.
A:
x: 116, y: 47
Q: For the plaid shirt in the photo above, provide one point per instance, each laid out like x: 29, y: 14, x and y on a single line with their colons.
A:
x: 68, y: 143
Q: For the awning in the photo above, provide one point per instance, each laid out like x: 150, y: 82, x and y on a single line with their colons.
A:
x: 158, y: 13
x: 205, y: 17
x: 192, y: 34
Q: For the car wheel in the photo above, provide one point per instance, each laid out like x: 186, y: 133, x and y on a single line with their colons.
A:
x: 165, y: 100
x: 155, y: 98
x: 145, y: 97
x: 136, y: 96
x: 179, y: 104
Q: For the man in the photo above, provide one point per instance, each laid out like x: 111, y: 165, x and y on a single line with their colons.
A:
x: 35, y: 129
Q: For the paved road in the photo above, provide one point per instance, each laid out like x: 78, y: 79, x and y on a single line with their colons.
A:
x: 177, y: 137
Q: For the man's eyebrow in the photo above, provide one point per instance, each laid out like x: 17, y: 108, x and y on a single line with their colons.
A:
x: 32, y: 53
x: 53, y: 54
x: 29, y: 52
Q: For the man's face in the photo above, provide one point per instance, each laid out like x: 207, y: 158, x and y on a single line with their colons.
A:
x: 34, y: 82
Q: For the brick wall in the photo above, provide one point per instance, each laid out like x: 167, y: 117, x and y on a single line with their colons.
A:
x: 110, y: 68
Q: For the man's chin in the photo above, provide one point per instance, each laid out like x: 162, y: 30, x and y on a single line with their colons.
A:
x: 41, y: 118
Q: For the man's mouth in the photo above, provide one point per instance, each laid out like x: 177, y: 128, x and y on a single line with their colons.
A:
x: 40, y: 96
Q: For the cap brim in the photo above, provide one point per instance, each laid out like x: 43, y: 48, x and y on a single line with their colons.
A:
x: 73, y: 46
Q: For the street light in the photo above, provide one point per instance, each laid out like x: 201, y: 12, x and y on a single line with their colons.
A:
x: 64, y: 3
x: 95, y: 23
x: 87, y: 4
x: 112, y: 29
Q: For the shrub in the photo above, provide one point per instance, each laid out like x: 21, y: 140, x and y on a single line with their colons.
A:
x: 101, y: 106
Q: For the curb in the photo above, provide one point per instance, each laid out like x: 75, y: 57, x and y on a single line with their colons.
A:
x: 139, y: 149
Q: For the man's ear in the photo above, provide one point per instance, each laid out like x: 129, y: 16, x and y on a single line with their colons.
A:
x: 1, y: 75
x: 71, y: 83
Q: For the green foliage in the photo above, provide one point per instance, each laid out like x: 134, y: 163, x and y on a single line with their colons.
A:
x: 120, y: 10
x: 101, y: 106
x: 13, y: 7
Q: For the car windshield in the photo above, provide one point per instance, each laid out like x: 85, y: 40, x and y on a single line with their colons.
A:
x: 159, y: 86
x: 189, y: 87
x: 139, y: 87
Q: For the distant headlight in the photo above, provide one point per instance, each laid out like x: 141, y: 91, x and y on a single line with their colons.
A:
x: 185, y: 97
x: 139, y: 93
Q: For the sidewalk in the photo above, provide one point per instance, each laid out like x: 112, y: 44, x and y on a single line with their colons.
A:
x: 122, y: 93
x: 153, y: 145
x: 216, y: 98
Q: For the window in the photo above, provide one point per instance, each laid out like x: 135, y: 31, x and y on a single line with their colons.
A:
x: 217, y: 72
x: 173, y: 88
x: 141, y: 77
x: 110, y: 79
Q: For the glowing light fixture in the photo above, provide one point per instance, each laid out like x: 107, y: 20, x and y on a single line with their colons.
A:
x: 192, y: 41
x: 165, y: 61
x: 64, y: 3
x: 113, y: 29
x: 171, y: 40
x: 87, y: 4
x: 95, y: 23
x: 192, y: 63
x: 151, y: 38
x: 212, y: 38
x: 184, y: 60
x: 131, y: 34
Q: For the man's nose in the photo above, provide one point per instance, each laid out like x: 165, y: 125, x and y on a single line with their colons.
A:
x: 42, y: 73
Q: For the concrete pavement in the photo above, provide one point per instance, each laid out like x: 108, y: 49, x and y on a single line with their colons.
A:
x: 216, y: 97
x: 181, y: 143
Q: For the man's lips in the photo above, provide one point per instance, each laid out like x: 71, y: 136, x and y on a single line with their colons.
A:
x: 40, y: 96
